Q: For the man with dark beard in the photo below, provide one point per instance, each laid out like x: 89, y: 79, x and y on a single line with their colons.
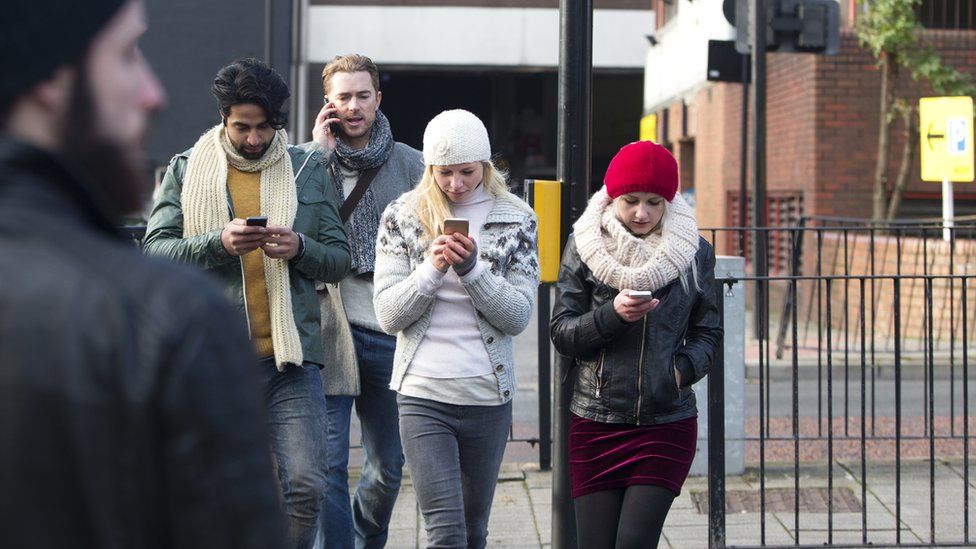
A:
x: 206, y: 214
x: 127, y: 418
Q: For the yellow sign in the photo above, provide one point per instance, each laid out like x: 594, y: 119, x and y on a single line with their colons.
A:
x: 546, y: 200
x: 946, y: 128
x: 648, y: 128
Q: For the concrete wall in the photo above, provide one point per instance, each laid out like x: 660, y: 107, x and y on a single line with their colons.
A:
x: 677, y: 65
x: 471, y: 36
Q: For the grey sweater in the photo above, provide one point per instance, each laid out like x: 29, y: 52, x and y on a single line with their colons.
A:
x: 503, y: 295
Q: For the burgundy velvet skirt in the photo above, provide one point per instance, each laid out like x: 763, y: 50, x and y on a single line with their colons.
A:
x: 607, y: 456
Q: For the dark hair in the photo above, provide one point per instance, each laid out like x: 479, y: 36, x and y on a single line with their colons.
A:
x: 251, y: 81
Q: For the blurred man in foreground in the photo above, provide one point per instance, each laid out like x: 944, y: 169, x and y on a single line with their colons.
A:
x: 126, y: 415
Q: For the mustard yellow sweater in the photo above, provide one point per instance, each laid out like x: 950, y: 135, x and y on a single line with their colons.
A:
x: 245, y: 195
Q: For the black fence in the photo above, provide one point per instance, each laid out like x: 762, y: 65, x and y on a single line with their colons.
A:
x: 858, y: 355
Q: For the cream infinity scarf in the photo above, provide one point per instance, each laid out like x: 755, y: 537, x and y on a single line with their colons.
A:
x: 623, y: 261
x: 205, y: 209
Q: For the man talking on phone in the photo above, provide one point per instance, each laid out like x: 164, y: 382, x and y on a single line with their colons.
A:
x: 369, y: 170
x: 124, y: 419
x: 253, y: 211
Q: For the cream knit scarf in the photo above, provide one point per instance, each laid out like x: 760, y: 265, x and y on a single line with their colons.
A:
x: 204, y: 199
x: 624, y: 261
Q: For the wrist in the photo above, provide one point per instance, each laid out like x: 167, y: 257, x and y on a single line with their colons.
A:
x: 301, y: 247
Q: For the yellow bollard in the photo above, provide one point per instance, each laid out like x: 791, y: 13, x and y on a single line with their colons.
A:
x: 545, y: 197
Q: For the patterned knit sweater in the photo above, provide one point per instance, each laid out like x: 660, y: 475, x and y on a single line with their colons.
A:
x: 503, y: 294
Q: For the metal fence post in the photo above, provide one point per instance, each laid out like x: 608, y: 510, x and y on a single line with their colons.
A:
x: 573, y: 162
x: 716, y: 435
x: 545, y: 379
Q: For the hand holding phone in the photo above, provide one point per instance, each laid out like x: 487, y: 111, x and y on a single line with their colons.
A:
x: 326, y: 126
x: 241, y: 236
x: 632, y: 305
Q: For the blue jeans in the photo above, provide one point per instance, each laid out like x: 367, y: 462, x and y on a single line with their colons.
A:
x: 454, y: 454
x: 295, y: 413
x: 368, y: 519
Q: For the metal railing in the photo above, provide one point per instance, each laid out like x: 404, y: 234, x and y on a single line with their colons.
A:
x: 904, y: 396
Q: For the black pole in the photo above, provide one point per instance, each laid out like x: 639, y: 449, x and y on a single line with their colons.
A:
x: 573, y: 165
x: 744, y: 157
x: 759, y: 153
x: 716, y: 435
x: 545, y: 379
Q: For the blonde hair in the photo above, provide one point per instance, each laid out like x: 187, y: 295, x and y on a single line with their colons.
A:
x: 432, y: 205
x: 353, y: 62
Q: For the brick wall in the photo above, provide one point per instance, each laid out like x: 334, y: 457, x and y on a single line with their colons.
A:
x: 918, y: 257
x: 822, y: 124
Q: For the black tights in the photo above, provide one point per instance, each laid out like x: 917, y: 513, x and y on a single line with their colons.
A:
x: 625, y: 518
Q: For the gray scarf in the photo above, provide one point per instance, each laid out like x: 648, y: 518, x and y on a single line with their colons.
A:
x: 362, y: 224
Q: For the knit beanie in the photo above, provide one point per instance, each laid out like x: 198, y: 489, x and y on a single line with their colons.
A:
x: 38, y: 36
x: 455, y: 137
x: 645, y: 167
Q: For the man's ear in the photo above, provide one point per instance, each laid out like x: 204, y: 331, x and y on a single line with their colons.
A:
x: 379, y: 98
x: 54, y: 94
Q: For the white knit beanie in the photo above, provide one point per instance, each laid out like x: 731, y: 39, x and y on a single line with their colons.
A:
x: 455, y: 137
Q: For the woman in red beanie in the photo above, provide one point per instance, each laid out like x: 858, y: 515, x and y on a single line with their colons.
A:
x: 637, y: 317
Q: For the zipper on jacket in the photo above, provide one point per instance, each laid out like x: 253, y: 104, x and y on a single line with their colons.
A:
x: 240, y: 261
x: 599, y: 373
x: 640, y: 370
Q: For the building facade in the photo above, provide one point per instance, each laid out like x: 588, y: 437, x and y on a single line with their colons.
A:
x: 822, y: 116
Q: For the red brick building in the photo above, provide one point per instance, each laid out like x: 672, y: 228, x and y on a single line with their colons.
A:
x: 822, y: 132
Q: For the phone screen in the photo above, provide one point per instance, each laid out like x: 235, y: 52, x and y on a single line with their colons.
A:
x: 456, y: 225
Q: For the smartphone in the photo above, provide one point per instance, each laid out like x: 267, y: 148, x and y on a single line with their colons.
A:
x: 333, y: 126
x: 456, y: 225
x: 257, y: 221
x: 643, y: 295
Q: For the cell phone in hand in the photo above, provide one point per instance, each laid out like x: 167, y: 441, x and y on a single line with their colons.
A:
x: 257, y: 221
x: 333, y: 126
x: 643, y: 295
x: 456, y: 225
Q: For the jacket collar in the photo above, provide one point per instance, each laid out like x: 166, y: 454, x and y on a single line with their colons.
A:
x: 23, y: 163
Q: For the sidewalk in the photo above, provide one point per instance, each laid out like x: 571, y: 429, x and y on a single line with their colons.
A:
x: 520, y: 517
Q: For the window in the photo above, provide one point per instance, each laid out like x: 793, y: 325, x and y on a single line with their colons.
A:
x: 783, y: 210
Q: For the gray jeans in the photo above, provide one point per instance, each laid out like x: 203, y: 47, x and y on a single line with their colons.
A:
x: 454, y: 454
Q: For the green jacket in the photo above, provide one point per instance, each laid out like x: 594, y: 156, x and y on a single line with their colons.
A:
x: 326, y: 257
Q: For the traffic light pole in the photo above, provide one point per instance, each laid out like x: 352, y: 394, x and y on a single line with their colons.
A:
x: 573, y: 164
x: 760, y: 259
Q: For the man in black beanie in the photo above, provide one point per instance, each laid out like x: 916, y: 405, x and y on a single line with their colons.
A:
x: 127, y: 415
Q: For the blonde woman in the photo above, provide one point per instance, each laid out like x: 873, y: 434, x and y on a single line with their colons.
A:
x: 637, y: 316
x: 454, y: 301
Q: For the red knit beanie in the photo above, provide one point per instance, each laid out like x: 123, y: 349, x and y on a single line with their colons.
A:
x: 642, y: 166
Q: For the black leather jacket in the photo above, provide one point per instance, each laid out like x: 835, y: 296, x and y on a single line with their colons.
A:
x: 130, y: 413
x: 624, y: 372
